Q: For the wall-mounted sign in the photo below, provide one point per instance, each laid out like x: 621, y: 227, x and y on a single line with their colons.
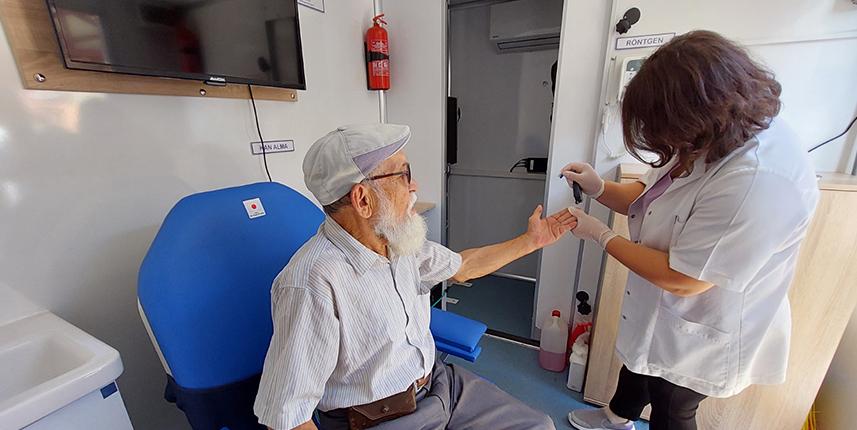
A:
x: 272, y: 146
x: 313, y: 4
x: 645, y: 41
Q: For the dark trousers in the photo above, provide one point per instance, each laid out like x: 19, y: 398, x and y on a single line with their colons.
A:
x: 673, y: 407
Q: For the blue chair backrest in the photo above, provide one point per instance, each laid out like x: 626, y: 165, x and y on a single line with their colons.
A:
x: 205, y: 283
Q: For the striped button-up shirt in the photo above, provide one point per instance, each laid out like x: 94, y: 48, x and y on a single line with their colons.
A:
x: 350, y: 326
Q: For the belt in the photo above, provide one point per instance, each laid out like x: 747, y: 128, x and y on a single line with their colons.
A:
x: 419, y: 384
x: 422, y: 382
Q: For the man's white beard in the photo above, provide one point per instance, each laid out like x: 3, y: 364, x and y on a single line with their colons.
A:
x: 404, y: 236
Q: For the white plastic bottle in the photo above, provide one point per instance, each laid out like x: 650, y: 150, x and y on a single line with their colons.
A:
x: 553, y: 343
x: 577, y: 362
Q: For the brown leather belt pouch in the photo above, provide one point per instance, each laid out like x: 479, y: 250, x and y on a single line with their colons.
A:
x: 369, y: 415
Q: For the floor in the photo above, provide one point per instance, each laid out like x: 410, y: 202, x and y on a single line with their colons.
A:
x: 515, y: 369
x: 501, y: 303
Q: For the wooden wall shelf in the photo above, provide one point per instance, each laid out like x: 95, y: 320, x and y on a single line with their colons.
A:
x: 34, y: 44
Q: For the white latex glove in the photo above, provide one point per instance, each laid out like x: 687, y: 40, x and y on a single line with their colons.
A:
x: 582, y: 173
x: 591, y: 228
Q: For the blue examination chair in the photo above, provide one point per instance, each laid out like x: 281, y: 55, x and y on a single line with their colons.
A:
x: 204, y: 297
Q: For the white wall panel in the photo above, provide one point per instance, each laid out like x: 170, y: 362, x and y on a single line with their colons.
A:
x: 417, y: 96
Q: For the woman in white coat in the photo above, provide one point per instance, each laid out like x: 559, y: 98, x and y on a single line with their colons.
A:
x: 715, y: 229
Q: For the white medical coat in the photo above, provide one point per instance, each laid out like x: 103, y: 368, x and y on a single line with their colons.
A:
x: 737, y: 223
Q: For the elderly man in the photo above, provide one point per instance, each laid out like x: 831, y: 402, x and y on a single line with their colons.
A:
x: 351, y: 309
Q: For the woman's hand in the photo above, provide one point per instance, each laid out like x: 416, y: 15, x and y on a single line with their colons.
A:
x: 582, y: 173
x: 591, y: 228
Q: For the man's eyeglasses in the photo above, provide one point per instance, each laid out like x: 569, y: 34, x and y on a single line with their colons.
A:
x: 406, y: 173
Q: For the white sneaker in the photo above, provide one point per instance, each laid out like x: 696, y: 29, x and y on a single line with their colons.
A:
x: 595, y: 419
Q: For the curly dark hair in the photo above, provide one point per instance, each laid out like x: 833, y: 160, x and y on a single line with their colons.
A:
x: 698, y: 95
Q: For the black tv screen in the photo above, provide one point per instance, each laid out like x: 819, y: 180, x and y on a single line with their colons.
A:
x: 236, y: 41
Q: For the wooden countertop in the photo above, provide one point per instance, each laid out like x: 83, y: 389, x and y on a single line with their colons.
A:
x: 423, y: 207
x: 826, y: 180
x: 837, y: 181
x: 632, y: 170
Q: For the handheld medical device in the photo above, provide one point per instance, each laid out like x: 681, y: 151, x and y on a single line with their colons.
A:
x: 575, y: 188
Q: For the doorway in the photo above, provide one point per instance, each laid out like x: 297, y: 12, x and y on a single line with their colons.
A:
x: 502, y: 67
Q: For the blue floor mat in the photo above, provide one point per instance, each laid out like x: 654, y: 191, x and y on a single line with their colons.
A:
x: 516, y: 370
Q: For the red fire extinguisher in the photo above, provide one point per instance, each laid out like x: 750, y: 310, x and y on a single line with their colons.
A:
x: 378, y: 55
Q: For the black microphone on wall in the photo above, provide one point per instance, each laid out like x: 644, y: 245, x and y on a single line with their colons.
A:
x: 630, y: 18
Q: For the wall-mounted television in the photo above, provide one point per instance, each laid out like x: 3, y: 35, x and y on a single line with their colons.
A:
x: 217, y: 41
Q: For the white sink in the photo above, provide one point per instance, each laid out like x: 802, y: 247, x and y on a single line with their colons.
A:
x: 46, y: 364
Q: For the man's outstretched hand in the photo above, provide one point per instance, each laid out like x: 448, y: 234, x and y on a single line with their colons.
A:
x: 545, y: 231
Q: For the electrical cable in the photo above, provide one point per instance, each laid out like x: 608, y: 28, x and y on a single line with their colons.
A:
x: 835, y: 137
x: 521, y: 163
x: 259, y: 129
x: 606, y: 119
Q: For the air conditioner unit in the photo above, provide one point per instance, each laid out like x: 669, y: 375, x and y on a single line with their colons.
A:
x: 526, y: 25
